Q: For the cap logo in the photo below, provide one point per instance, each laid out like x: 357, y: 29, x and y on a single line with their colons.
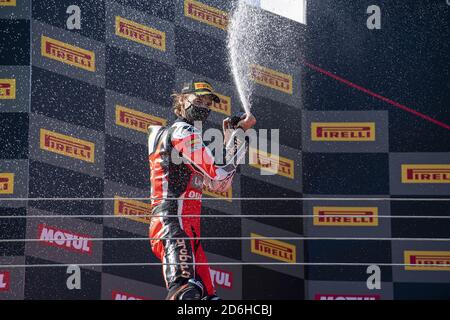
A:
x: 202, y: 85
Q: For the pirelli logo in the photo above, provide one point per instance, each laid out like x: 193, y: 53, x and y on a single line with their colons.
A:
x: 67, y: 146
x: 227, y: 195
x: 274, y: 249
x: 7, y: 89
x: 134, y: 210
x: 7, y: 3
x: 136, y: 120
x: 141, y: 34
x: 345, y: 216
x: 424, y: 260
x: 425, y: 173
x: 68, y: 54
x: 224, y: 106
x: 6, y: 183
x: 274, y: 164
x: 271, y: 78
x: 202, y: 85
x: 206, y: 14
x: 343, y: 131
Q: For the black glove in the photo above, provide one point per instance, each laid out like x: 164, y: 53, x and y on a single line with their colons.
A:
x: 234, y: 120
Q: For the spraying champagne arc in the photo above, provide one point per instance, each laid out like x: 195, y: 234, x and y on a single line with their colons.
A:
x: 241, y: 52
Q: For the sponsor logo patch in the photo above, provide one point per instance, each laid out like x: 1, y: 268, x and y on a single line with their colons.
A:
x: 140, y: 33
x: 136, y: 120
x: 274, y: 249
x: 68, y: 54
x: 222, y: 278
x: 277, y: 165
x: 7, y: 89
x: 347, y: 297
x: 206, y: 14
x: 271, y: 78
x: 67, y: 146
x: 119, y: 295
x: 346, y: 216
x: 4, y: 281
x: 425, y: 173
x: 227, y: 195
x: 224, y: 106
x: 421, y: 260
x: 67, y: 240
x: 6, y: 183
x: 343, y: 131
x: 7, y: 3
x: 132, y: 209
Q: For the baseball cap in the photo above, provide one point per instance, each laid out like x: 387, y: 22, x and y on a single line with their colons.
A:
x: 200, y: 88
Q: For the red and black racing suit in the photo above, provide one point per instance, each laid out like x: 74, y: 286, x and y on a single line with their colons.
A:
x: 176, y: 191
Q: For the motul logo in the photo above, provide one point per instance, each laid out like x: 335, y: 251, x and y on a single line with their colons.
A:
x: 67, y: 240
x: 425, y: 173
x: 4, y: 281
x: 222, y: 278
x: 117, y: 295
x: 346, y: 297
x: 206, y: 14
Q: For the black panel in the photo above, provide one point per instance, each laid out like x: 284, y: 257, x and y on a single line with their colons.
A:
x: 68, y: 100
x: 47, y: 181
x: 12, y: 228
x: 328, y: 251
x: 219, y: 228
x: 421, y: 291
x: 136, y: 76
x: 252, y: 188
x: 127, y: 163
x: 264, y: 284
x: 201, y: 54
x: 53, y: 12
x: 420, y: 228
x: 14, y: 135
x: 131, y: 252
x: 345, y: 173
x: 50, y: 283
x: 163, y: 9
x: 410, y: 133
x: 271, y: 114
x: 14, y: 42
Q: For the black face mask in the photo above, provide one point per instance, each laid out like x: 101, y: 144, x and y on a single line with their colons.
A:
x: 194, y: 113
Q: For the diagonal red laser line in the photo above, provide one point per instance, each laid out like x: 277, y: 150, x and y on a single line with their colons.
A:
x: 376, y: 95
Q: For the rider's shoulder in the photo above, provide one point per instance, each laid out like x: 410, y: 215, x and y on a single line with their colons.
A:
x: 182, y: 128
